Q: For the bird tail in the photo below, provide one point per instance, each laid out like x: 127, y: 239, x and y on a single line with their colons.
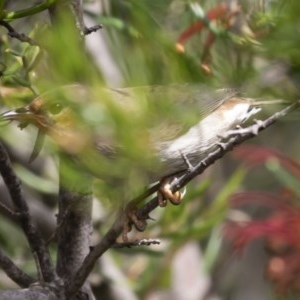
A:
x: 259, y: 102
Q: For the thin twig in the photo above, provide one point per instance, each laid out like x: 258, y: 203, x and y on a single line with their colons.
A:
x: 242, y: 136
x: 13, y: 272
x: 110, y: 237
x: 20, y: 36
x: 89, y: 30
x: 137, y: 243
x: 35, y: 240
x: 9, y: 211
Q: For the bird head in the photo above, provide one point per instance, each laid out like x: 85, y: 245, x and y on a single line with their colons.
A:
x: 52, y: 113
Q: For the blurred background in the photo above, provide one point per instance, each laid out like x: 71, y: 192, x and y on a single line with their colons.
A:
x: 236, y: 234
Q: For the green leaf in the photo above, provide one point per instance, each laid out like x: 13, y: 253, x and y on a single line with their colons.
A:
x: 36, y: 182
x: 283, y: 176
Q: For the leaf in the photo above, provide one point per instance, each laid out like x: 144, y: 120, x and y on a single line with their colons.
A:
x: 36, y: 182
x: 283, y: 176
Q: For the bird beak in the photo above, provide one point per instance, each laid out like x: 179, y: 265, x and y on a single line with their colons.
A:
x: 25, y: 117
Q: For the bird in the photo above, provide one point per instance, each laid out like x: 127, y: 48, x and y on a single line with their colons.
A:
x: 181, y: 123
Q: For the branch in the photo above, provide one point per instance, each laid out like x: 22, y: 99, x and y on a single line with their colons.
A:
x: 77, y: 11
x: 36, y: 293
x: 75, y: 192
x: 20, y: 36
x: 37, y: 244
x: 74, y: 232
x: 13, y: 272
x: 71, y: 9
x: 136, y: 243
x: 11, y: 15
x: 241, y: 136
x: 8, y: 211
x: 89, y: 30
x: 143, y: 213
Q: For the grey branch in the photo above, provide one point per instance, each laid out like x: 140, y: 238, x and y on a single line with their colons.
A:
x: 13, y: 272
x: 20, y: 36
x: 35, y: 240
x: 137, y: 243
x: 95, y: 28
x: 28, y: 294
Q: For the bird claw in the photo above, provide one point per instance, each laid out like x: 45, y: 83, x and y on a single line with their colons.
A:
x: 131, y: 218
x: 164, y: 194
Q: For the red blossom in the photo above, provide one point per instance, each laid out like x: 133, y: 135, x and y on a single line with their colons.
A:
x: 283, y: 225
x: 266, y: 199
x: 281, y: 235
x: 223, y: 14
x: 256, y: 155
x: 280, y: 231
x: 283, y: 272
x: 217, y: 12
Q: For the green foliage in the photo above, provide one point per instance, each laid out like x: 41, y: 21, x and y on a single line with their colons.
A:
x: 141, y: 38
x: 284, y: 177
x: 12, y: 15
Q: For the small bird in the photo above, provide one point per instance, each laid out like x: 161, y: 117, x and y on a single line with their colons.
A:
x: 208, y: 115
x: 186, y: 124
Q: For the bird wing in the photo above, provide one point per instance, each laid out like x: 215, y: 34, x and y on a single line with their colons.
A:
x: 177, y: 107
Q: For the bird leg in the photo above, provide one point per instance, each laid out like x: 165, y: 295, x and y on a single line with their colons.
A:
x: 164, y: 190
x: 165, y: 193
x: 131, y: 218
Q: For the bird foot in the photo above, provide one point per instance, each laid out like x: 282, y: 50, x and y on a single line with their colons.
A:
x: 165, y: 193
x: 131, y: 219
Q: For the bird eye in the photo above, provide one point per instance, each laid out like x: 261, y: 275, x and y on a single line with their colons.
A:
x: 55, y: 108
